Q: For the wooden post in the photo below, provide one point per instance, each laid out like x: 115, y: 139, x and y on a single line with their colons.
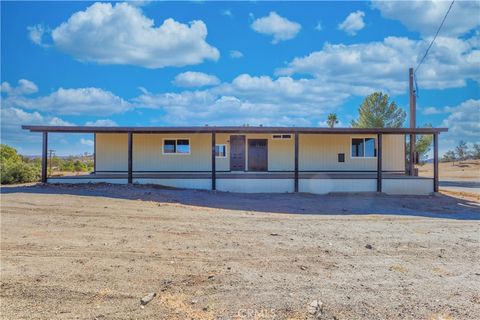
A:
x: 44, y: 156
x: 296, y: 163
x: 413, y: 121
x: 130, y: 151
x: 94, y: 153
x: 214, y: 178
x: 435, y: 162
x: 379, y: 162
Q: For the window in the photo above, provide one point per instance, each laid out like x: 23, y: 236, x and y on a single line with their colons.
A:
x: 183, y: 146
x: 363, y: 148
x: 169, y: 146
x: 176, y: 146
x: 220, y: 151
x: 370, y: 147
x: 283, y: 136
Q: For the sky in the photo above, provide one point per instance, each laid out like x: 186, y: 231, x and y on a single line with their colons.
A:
x: 232, y: 63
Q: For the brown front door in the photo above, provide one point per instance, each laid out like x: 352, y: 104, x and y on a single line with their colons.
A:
x: 237, y: 153
x: 257, y: 155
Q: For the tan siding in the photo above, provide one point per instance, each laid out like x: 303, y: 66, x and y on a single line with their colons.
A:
x: 223, y: 164
x: 316, y: 152
x: 320, y: 152
x: 111, y: 152
x: 393, y: 152
x: 147, y: 153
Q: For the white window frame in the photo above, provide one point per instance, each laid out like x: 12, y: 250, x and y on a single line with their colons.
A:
x: 363, y: 157
x: 226, y: 150
x: 281, y: 138
x: 176, y: 153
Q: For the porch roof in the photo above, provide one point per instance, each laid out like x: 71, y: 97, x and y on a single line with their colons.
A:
x: 231, y: 129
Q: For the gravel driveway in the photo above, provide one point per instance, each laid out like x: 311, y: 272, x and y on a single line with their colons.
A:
x: 92, y: 252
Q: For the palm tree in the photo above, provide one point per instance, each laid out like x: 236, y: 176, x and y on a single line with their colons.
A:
x: 332, y: 120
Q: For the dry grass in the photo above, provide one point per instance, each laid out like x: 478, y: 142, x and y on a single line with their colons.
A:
x: 464, y: 170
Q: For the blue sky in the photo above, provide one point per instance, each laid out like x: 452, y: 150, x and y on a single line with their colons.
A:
x: 231, y: 63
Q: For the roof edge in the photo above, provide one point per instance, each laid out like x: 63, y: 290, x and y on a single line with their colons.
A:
x: 229, y: 129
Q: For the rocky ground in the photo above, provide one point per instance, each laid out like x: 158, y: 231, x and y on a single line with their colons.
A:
x: 92, y: 252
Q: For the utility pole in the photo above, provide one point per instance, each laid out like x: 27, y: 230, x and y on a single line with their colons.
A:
x: 50, y: 154
x: 413, y: 121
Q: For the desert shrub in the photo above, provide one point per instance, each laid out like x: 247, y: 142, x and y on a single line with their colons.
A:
x: 67, y: 166
x: 79, y: 166
x: 13, y: 169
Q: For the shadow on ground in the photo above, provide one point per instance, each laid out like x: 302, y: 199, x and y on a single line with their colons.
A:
x: 435, y: 206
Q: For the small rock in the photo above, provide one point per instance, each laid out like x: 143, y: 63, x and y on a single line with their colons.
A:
x: 211, y: 277
x: 194, y: 301
x: 315, y: 307
x: 303, y: 268
x: 369, y: 246
x: 274, y: 234
x: 205, y: 308
x: 149, y: 297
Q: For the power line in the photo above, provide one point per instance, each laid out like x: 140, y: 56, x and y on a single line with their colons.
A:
x: 435, y: 37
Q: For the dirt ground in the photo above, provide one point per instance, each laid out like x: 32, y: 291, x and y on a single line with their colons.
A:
x: 465, y: 170
x: 91, y: 252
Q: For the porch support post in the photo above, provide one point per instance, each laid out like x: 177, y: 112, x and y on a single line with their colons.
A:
x: 214, y: 178
x: 296, y: 163
x: 379, y: 163
x: 130, y: 151
x: 435, y: 162
x: 44, y: 156
x: 94, y: 153
x: 411, y: 163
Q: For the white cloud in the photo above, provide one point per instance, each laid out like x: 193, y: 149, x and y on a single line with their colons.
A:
x: 431, y: 111
x: 122, y: 34
x: 425, y: 16
x: 79, y: 101
x: 101, y: 123
x: 36, y: 33
x: 195, y: 79
x: 384, y: 65
x: 87, y: 142
x: 235, y: 54
x: 25, y: 87
x: 279, y: 27
x: 227, y: 13
x: 319, y: 26
x: 353, y: 23
x: 249, y: 99
x: 463, y: 121
x: 13, y: 118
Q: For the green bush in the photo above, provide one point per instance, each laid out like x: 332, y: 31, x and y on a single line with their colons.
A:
x: 79, y: 166
x: 67, y: 166
x: 13, y: 169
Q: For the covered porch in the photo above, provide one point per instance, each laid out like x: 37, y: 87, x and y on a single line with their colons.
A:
x: 301, y: 177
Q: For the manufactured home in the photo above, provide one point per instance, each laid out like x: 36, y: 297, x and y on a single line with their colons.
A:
x: 254, y: 159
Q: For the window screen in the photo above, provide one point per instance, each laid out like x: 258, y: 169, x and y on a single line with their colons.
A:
x: 357, y: 148
x: 183, y: 146
x: 370, y: 147
x: 169, y: 146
